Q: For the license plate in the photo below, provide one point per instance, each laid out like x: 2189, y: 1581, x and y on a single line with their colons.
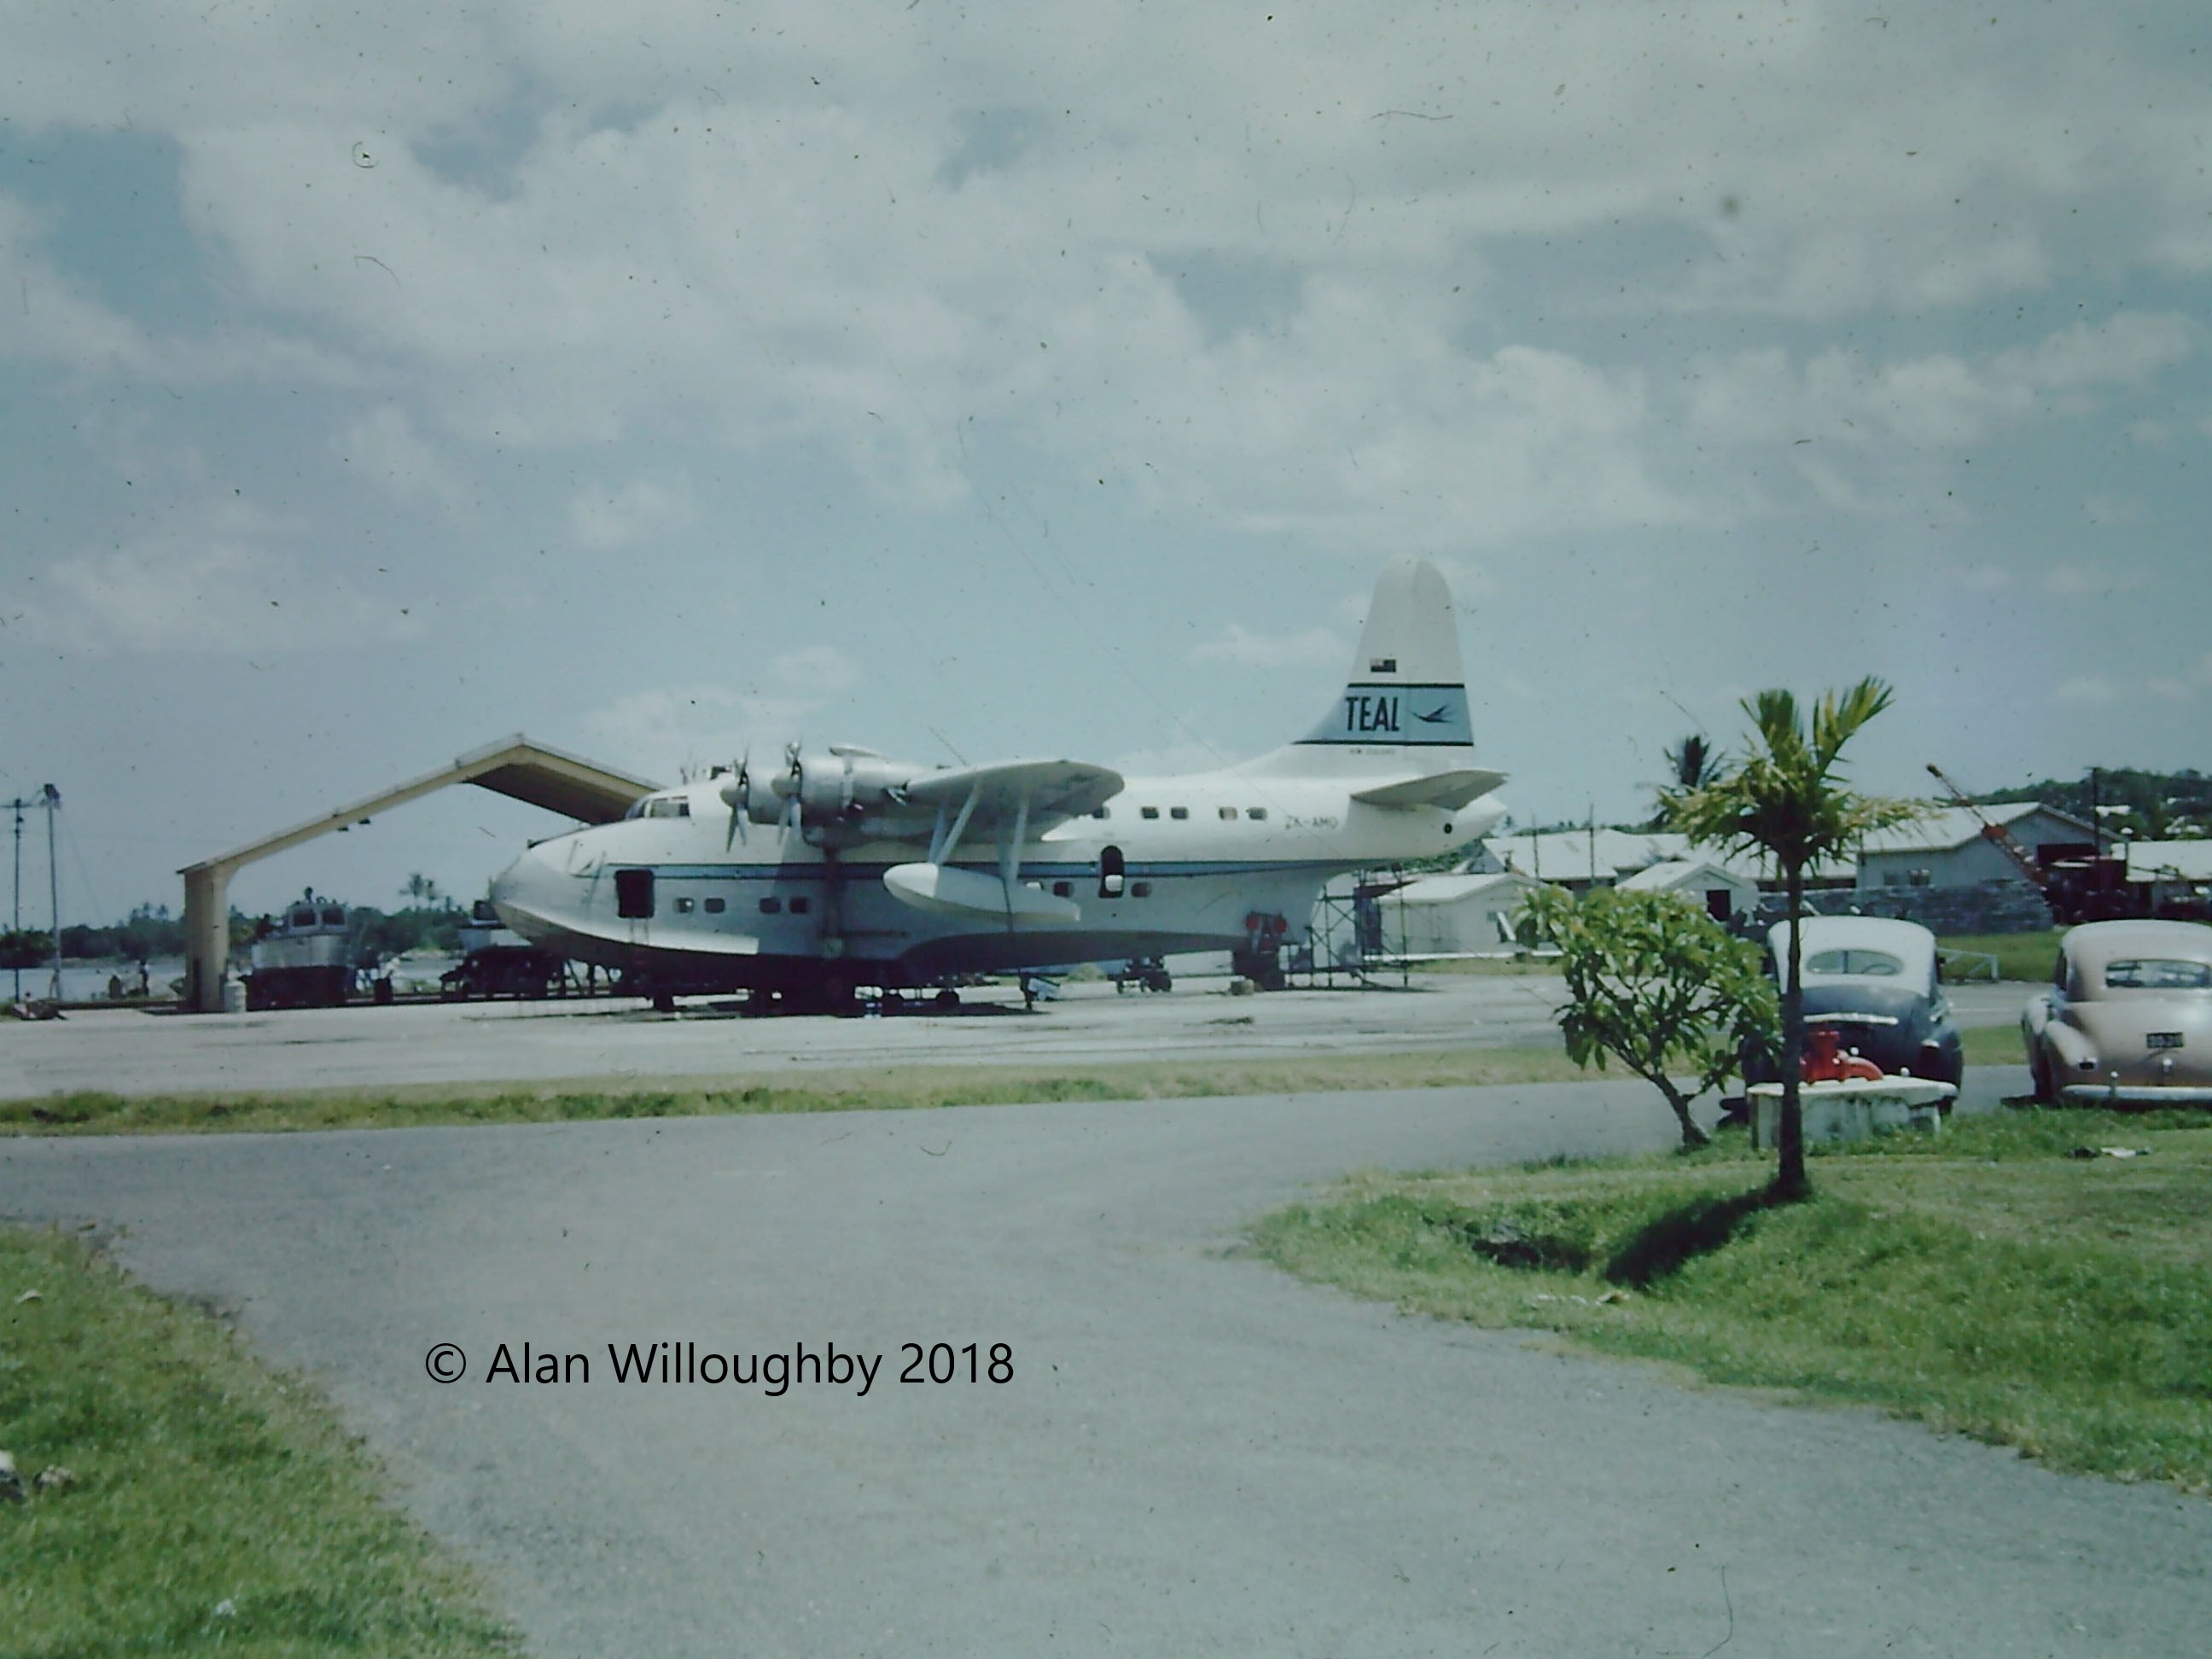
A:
x: 2163, y: 1039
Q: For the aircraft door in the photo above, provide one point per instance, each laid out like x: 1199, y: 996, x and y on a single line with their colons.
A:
x: 1111, y: 870
x: 634, y: 893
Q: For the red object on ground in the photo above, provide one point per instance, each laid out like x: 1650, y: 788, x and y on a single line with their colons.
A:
x: 1825, y: 1061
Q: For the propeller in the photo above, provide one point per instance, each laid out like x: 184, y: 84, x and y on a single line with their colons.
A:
x: 791, y: 784
x: 736, y: 793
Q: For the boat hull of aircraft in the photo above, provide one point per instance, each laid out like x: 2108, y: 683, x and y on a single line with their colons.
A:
x: 852, y: 930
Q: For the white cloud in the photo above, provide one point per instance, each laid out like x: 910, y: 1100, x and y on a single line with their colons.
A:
x: 216, y: 576
x: 2075, y: 581
x: 1978, y: 578
x: 384, y: 445
x: 1171, y: 759
x: 1841, y: 399
x: 645, y: 507
x: 824, y: 669
x: 48, y: 319
x: 2087, y: 690
x: 2188, y: 684
x: 1240, y: 646
x: 53, y: 320
x: 673, y: 729
x: 817, y: 226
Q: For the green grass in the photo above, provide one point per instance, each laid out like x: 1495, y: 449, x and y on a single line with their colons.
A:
x: 1980, y: 1280
x: 1992, y: 1045
x: 876, y: 1090
x: 2020, y: 955
x: 216, y: 1509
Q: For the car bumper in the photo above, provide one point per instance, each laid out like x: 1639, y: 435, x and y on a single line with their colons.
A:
x: 2136, y: 1094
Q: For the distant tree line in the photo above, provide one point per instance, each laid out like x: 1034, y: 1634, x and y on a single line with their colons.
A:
x: 2158, y: 806
x: 25, y: 948
x: 432, y: 924
x: 2135, y: 805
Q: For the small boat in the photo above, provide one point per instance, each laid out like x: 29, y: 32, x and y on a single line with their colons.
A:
x: 304, y: 959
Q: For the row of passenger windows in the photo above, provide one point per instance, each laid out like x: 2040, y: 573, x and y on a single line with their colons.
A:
x: 1226, y: 814
x: 633, y: 897
x: 675, y: 807
x: 799, y: 903
x: 1137, y: 889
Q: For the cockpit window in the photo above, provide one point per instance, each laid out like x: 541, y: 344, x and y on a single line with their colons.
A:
x: 667, y: 806
x: 2158, y: 974
x: 1870, y: 964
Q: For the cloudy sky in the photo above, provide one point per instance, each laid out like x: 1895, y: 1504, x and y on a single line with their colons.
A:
x: 995, y: 380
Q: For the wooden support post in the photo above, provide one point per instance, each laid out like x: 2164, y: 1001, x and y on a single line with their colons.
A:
x: 207, y: 936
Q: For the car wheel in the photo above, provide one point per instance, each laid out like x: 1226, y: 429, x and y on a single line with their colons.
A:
x: 2038, y: 1074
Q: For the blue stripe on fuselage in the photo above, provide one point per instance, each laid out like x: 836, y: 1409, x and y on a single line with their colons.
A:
x: 1031, y: 868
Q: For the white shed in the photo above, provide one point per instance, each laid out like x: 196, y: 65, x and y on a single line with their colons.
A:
x: 1455, y: 915
x: 2175, y: 872
x: 1717, y: 890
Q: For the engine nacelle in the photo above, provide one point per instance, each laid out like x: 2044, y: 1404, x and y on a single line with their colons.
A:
x: 755, y: 797
x: 831, y: 787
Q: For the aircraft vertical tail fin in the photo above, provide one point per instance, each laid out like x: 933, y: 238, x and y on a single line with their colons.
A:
x: 1406, y: 699
x: 1399, y: 734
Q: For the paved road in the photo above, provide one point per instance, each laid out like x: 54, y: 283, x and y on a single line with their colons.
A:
x: 1195, y: 1454
x: 130, y: 1053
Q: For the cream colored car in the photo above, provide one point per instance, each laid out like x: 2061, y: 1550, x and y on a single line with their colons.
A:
x: 2127, y: 1018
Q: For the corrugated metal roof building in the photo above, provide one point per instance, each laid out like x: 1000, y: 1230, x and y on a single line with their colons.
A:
x: 1455, y: 915
x: 1579, y: 858
x: 2175, y: 872
x: 1947, y: 849
x: 1721, y: 892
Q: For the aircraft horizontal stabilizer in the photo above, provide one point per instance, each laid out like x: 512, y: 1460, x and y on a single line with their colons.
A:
x: 1450, y: 790
x: 945, y: 891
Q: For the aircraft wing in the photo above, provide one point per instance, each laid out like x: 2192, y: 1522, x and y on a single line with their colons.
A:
x: 1055, y: 789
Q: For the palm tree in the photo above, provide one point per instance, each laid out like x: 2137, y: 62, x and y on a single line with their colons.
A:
x: 1692, y: 764
x: 1786, y: 801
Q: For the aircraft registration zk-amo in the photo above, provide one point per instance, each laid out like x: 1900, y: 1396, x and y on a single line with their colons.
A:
x: 846, y: 869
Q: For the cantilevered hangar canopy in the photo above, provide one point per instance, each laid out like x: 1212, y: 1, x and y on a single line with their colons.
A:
x: 515, y: 767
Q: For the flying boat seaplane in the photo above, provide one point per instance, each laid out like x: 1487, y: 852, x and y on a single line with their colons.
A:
x: 842, y: 868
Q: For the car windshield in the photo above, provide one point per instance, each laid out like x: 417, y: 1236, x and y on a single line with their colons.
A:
x: 1873, y: 964
x: 2158, y: 974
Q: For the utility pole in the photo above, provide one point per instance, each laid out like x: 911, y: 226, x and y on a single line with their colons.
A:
x: 16, y: 926
x: 51, y: 798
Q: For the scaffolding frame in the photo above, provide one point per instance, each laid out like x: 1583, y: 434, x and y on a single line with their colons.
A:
x: 1348, y: 937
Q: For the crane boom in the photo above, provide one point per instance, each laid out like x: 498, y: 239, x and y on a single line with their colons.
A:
x: 1995, y: 832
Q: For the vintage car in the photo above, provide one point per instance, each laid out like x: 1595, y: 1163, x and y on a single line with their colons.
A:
x: 2127, y: 1018
x: 1875, y: 981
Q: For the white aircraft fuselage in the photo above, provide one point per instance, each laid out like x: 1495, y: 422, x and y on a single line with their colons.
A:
x: 851, y: 869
